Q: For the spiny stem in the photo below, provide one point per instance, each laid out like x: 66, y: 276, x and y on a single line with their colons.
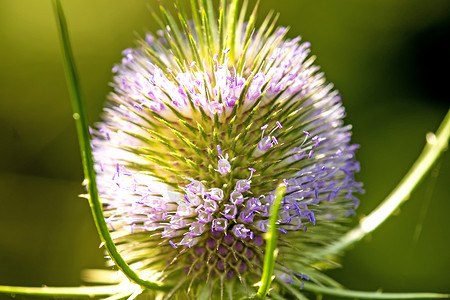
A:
x: 81, y: 123
x: 271, y: 245
x: 368, y: 295
x: 436, y: 145
x: 82, y: 291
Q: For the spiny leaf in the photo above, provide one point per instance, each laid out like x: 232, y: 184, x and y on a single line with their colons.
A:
x: 153, y: 55
x: 269, y: 45
x: 221, y: 25
x: 175, y: 32
x: 231, y: 29
x: 173, y: 48
x: 196, y: 17
x: 231, y: 124
x: 208, y: 35
x: 211, y: 19
x: 192, y: 44
x: 239, y: 26
x: 241, y: 61
x: 185, y: 160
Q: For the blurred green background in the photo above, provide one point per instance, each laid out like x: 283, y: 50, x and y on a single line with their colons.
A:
x: 388, y: 58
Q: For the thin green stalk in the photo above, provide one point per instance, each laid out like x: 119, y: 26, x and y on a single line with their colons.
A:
x: 81, y: 122
x: 82, y: 291
x: 368, y: 295
x: 436, y: 145
x: 271, y: 245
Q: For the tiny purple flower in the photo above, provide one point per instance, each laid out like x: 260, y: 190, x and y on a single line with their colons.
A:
x: 219, y: 224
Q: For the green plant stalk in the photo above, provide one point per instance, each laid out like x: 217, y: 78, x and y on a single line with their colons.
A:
x: 271, y: 245
x: 82, y: 126
x: 436, y: 145
x: 82, y: 291
x: 368, y: 295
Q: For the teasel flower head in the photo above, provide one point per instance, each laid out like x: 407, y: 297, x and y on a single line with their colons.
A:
x: 207, y: 117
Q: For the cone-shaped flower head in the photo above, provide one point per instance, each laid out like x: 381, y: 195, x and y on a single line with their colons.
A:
x: 206, y: 119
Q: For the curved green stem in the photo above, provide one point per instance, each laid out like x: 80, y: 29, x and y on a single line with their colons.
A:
x: 436, y: 145
x: 271, y: 245
x: 82, y: 291
x: 368, y: 295
x: 81, y: 122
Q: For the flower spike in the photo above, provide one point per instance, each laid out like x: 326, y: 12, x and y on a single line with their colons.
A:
x: 201, y: 126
